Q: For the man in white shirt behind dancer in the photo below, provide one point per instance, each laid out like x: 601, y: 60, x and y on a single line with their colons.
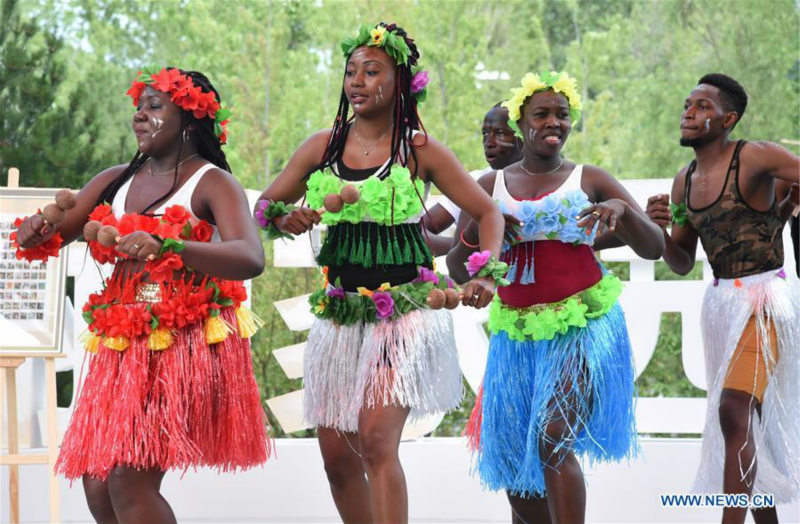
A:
x: 501, y: 148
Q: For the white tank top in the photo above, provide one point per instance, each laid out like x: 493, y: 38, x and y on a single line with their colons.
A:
x: 181, y: 197
x: 500, y: 191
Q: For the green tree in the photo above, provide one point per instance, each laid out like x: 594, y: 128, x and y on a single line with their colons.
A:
x: 50, y: 138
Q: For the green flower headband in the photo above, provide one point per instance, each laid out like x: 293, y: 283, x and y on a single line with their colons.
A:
x: 395, y: 45
x: 533, y: 83
x: 379, y: 36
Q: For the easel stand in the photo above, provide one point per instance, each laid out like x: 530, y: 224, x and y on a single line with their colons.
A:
x: 9, y: 362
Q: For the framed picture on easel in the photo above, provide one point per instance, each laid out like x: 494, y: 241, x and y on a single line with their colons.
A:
x: 31, y: 293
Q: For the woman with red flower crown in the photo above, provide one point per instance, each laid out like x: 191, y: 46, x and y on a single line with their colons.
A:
x: 379, y: 352
x: 170, y: 382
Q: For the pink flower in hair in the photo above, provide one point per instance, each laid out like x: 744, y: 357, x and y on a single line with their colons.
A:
x: 419, y: 81
x: 476, y: 261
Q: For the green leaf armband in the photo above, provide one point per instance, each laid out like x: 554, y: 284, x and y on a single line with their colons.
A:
x: 174, y: 245
x: 680, y: 215
x: 267, y: 211
x: 483, y: 264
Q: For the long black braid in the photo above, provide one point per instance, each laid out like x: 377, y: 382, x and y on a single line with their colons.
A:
x: 405, y: 116
x: 208, y: 146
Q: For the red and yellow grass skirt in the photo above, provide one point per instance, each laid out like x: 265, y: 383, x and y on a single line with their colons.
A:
x: 189, y: 400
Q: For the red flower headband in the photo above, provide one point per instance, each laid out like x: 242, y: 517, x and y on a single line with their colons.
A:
x: 184, y: 94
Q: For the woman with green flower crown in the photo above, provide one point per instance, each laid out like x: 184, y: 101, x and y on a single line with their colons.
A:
x: 559, y: 376
x: 380, y: 351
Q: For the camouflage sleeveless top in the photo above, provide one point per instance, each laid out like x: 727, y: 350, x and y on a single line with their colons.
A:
x: 738, y: 239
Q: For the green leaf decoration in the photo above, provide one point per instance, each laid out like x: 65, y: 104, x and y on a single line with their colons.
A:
x: 543, y: 321
x: 680, y: 214
x: 215, y: 287
x: 170, y: 244
x: 147, y: 72
x: 222, y: 114
x: 359, y: 308
x: 394, y: 45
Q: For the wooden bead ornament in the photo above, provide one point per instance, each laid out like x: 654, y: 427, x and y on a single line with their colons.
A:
x: 53, y: 214
x: 332, y: 203
x: 91, y: 229
x: 452, y: 298
x: 107, y: 236
x: 65, y: 199
x: 436, y: 298
x: 350, y: 194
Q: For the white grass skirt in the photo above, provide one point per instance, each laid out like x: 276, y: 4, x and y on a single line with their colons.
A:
x: 727, y: 307
x: 411, y: 362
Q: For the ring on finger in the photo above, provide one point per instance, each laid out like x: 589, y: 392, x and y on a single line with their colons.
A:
x: 596, y: 213
x: 136, y: 246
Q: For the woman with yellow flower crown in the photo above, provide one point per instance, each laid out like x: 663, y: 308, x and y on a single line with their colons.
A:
x: 380, y: 351
x: 170, y: 382
x: 559, y: 376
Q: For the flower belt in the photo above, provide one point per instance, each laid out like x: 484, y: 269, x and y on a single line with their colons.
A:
x: 385, y: 303
x: 544, y: 321
x: 126, y: 310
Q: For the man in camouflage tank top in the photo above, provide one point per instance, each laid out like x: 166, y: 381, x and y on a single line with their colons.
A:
x: 726, y: 197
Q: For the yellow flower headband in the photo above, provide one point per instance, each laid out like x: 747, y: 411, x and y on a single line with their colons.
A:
x: 533, y: 83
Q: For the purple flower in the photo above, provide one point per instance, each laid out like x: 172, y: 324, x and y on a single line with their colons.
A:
x: 427, y: 275
x: 477, y: 260
x: 262, y: 220
x: 335, y: 292
x: 450, y: 283
x: 419, y: 81
x: 384, y: 304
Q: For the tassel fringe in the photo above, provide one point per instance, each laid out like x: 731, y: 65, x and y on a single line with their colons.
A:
x: 116, y: 343
x: 369, y: 244
x: 89, y: 341
x: 248, y: 323
x: 216, y: 330
x: 159, y: 339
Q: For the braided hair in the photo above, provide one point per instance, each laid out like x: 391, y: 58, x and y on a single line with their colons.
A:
x: 405, y: 116
x: 208, y: 146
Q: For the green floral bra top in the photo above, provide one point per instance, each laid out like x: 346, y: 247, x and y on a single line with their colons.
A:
x: 393, y: 200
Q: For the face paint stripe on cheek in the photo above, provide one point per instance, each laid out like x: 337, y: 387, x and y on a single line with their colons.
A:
x: 158, y: 124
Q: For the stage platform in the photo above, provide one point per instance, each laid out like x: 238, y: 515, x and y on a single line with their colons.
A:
x: 293, y: 489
